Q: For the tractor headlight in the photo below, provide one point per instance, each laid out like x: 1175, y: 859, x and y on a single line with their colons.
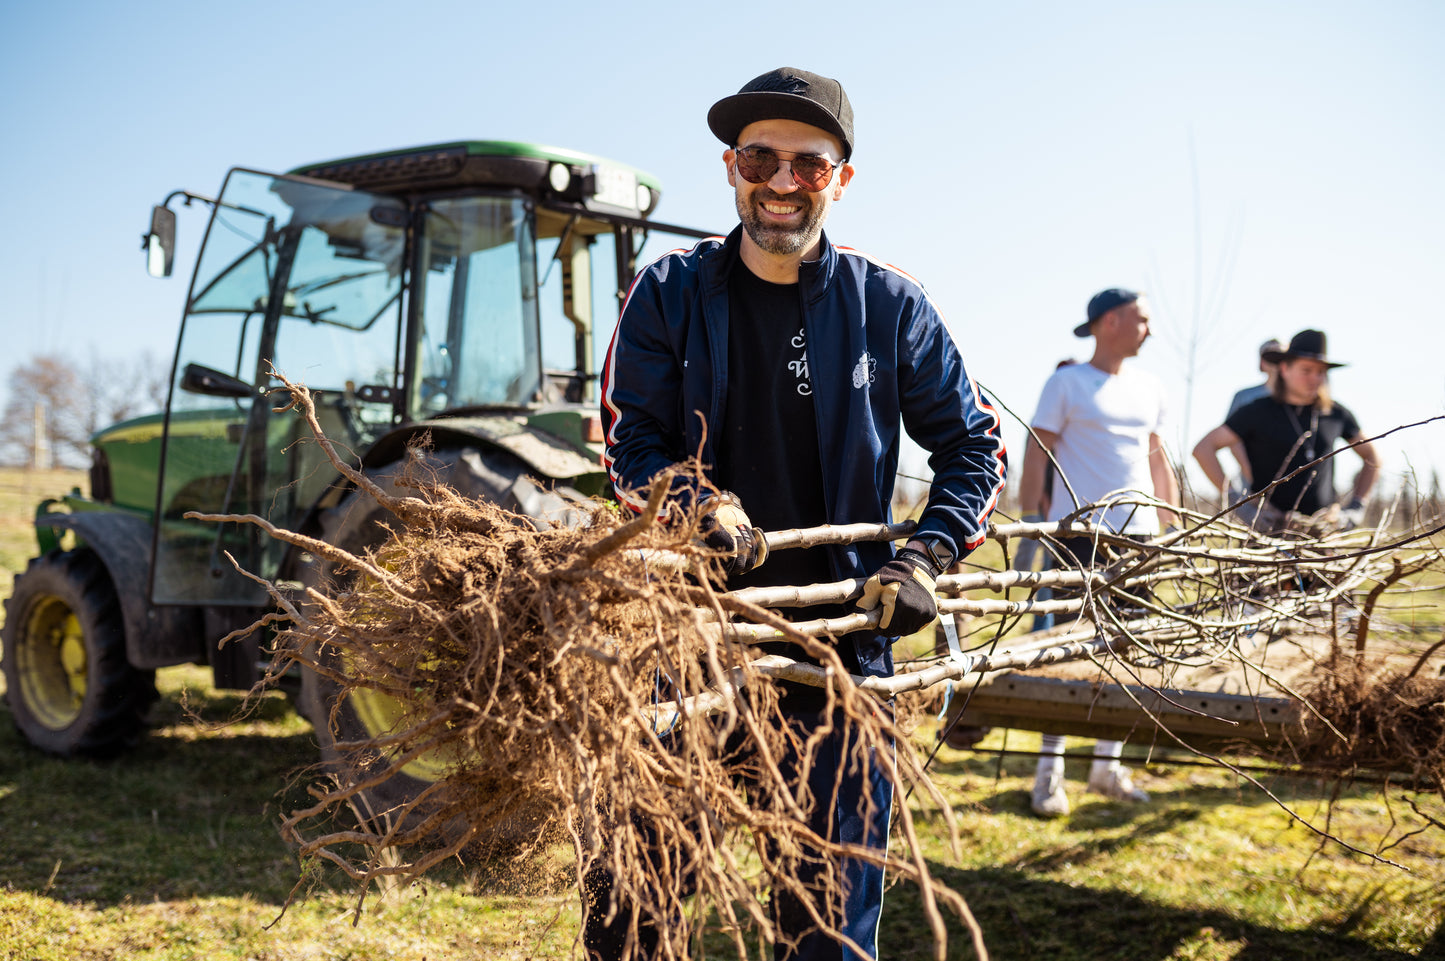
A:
x: 559, y: 177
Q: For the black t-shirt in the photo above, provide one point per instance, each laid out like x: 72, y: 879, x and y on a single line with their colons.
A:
x: 767, y: 445
x: 1273, y: 432
x: 767, y: 450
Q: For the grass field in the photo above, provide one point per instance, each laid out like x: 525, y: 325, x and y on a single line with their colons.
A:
x: 173, y: 853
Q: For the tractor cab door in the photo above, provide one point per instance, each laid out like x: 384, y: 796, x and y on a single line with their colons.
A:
x: 299, y: 278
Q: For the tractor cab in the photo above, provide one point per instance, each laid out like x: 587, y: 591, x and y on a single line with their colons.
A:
x: 455, y: 288
x: 457, y: 294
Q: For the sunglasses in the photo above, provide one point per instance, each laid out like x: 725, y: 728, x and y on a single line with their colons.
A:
x: 757, y: 165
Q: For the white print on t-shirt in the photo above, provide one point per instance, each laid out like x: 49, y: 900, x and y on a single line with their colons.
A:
x: 863, y: 370
x: 799, y: 367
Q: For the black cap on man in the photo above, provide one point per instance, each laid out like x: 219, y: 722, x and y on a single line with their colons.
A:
x: 786, y: 93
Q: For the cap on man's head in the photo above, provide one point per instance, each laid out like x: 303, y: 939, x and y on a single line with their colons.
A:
x: 1269, y: 347
x: 1103, y: 302
x: 786, y: 93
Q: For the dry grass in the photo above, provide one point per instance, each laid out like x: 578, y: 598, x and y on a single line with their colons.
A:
x: 173, y: 854
x: 21, y: 491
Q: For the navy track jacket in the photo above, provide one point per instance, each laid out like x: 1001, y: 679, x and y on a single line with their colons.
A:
x: 879, y: 355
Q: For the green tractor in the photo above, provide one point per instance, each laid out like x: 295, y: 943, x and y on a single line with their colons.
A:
x: 452, y: 289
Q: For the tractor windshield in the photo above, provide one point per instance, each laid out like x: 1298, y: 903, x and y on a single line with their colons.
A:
x: 298, y: 277
x: 479, y: 343
x: 329, y: 259
x: 391, y: 311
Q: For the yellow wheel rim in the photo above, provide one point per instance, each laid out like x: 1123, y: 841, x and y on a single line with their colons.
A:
x: 381, y: 714
x: 52, y: 664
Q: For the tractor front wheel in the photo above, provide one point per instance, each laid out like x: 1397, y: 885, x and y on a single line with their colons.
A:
x: 364, y: 714
x: 70, y: 688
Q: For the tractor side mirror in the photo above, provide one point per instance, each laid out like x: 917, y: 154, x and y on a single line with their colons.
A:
x: 160, y: 243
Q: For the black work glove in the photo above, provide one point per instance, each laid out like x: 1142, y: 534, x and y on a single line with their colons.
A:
x: 726, y: 528
x: 904, y: 589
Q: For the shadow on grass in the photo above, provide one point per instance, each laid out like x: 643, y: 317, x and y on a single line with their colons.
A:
x: 218, y: 710
x: 1030, y: 918
x: 193, y: 811
x: 1228, y: 789
x: 1026, y: 918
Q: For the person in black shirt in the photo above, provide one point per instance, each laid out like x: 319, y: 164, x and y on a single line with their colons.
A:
x: 1289, y: 437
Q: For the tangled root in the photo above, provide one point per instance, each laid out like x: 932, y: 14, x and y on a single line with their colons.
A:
x: 572, y: 691
x: 1368, y: 717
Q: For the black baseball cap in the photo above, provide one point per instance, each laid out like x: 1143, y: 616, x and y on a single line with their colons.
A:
x: 786, y: 93
x: 1103, y: 302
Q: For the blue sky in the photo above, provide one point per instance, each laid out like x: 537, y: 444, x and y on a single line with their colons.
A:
x: 1257, y: 168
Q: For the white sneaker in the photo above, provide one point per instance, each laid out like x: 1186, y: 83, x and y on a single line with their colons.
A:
x: 1117, y: 784
x: 1048, y: 798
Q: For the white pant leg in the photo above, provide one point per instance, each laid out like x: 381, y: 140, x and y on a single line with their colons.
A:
x: 1106, y: 755
x: 1051, y: 760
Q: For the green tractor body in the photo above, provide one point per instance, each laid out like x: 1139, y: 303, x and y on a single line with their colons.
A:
x: 453, y: 290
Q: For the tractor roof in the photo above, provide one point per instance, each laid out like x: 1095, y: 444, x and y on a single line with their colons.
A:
x: 469, y: 163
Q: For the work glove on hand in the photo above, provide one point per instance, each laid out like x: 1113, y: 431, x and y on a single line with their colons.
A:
x: 1028, y: 547
x: 726, y: 528
x: 904, y: 589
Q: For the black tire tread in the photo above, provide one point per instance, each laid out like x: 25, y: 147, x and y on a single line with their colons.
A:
x: 112, y: 716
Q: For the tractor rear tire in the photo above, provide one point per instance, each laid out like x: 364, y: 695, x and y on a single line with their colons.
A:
x: 71, y: 690
x: 354, y: 525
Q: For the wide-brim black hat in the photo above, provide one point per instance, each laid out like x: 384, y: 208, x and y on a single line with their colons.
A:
x: 786, y: 93
x: 1305, y: 345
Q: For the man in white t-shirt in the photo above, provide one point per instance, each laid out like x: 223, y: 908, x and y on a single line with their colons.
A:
x: 1103, y: 423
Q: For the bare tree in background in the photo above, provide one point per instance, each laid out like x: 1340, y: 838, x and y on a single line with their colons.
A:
x: 52, y: 383
x: 77, y: 400
x: 1433, y: 504
x: 121, y: 388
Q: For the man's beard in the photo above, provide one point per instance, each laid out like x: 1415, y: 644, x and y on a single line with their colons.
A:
x: 777, y: 239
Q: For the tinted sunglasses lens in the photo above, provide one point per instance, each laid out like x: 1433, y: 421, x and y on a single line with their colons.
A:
x: 812, y: 173
x: 757, y: 165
